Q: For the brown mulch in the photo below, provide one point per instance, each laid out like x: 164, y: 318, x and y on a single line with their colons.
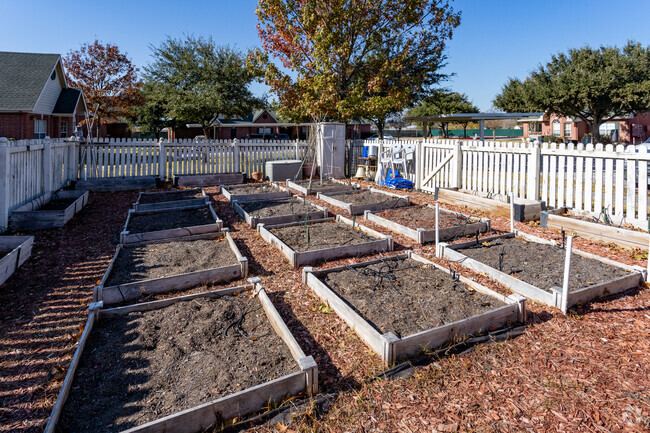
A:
x: 587, y: 371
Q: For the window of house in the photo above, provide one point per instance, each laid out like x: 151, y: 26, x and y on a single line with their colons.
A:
x: 567, y: 129
x: 556, y: 128
x: 264, y: 131
x: 40, y: 128
x: 64, y: 129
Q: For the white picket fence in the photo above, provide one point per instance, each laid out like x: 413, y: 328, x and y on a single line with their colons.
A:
x: 166, y: 159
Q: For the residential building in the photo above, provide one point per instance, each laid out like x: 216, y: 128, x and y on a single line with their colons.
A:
x: 35, y: 99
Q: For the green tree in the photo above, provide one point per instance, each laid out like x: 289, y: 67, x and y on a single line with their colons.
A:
x: 348, y: 59
x: 444, y: 102
x: 593, y: 84
x: 201, y: 81
x: 152, y: 115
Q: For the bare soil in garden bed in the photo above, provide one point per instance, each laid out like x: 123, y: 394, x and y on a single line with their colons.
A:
x: 4, y: 253
x: 424, y: 217
x: 251, y: 189
x: 317, y: 186
x: 161, y: 197
x: 172, y: 219
x: 145, y: 262
x: 147, y: 365
x: 406, y: 297
x: 58, y: 204
x: 542, y: 265
x: 263, y: 209
x: 363, y: 197
x: 321, y: 235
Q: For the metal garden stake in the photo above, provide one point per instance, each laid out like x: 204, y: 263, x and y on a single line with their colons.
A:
x: 567, y: 268
x: 437, y: 230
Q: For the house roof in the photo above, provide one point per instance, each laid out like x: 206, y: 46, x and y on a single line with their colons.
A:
x: 67, y: 102
x: 22, y: 78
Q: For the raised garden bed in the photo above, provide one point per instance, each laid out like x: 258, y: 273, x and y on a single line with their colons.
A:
x: 327, y: 239
x: 166, y: 224
x: 209, y: 179
x: 279, y: 211
x: 166, y: 200
x: 165, y: 266
x: 48, y: 211
x: 187, y: 364
x: 253, y: 191
x: 591, y: 228
x: 330, y: 185
x: 525, y: 209
x: 534, y: 267
x: 14, y: 251
x: 357, y: 202
x: 419, y: 222
x: 404, y: 304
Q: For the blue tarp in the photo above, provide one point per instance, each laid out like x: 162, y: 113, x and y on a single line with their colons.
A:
x: 397, y: 181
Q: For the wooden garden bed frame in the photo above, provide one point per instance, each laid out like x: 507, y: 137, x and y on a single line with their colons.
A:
x: 423, y: 236
x: 301, y: 258
x: 170, y: 204
x: 224, y: 409
x: 128, y: 238
x: 359, y: 209
x: 626, y: 238
x: 393, y: 349
x: 319, y: 212
x: 280, y: 193
x: 554, y: 296
x: 340, y: 186
x: 21, y: 250
x: 30, y: 217
x: 525, y: 209
x: 187, y: 180
x: 132, y: 291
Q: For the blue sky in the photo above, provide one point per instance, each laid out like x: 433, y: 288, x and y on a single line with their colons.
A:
x: 496, y: 39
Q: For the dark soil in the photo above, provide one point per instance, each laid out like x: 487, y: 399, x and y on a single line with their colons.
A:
x: 321, y: 235
x: 161, y: 197
x: 316, y: 186
x: 144, y: 366
x: 145, y: 262
x: 263, y: 209
x: 363, y: 197
x: 4, y: 253
x: 251, y: 189
x: 172, y: 219
x: 405, y: 297
x: 416, y: 217
x: 58, y: 204
x: 542, y: 265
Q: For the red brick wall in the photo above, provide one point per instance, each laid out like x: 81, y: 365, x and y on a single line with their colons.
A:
x: 16, y: 125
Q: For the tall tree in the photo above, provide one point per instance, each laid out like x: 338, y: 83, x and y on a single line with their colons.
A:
x: 347, y: 59
x: 108, y: 79
x: 444, y: 102
x: 152, y: 115
x: 201, y: 81
x: 593, y: 84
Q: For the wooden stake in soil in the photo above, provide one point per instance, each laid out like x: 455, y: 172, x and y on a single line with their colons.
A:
x: 437, y: 230
x: 567, y: 268
x: 512, y: 212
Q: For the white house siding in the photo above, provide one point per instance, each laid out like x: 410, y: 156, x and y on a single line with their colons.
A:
x: 46, y: 102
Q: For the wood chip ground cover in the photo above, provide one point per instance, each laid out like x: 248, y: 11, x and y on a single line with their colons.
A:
x: 269, y: 208
x: 161, y: 197
x: 542, y: 265
x: 424, y: 217
x: 170, y: 219
x: 585, y: 372
x: 143, y: 366
x: 406, y: 297
x: 317, y: 236
x: 144, y: 262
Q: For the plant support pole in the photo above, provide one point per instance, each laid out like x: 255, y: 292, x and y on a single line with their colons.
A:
x: 567, y: 268
x: 437, y: 230
x: 512, y: 212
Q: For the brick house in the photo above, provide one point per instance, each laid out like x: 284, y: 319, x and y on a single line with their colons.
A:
x: 35, y: 99
x: 627, y: 129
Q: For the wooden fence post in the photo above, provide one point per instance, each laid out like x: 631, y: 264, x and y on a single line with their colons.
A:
x: 71, y: 163
x: 297, y: 149
x: 419, y: 164
x: 457, y: 181
x: 532, y: 171
x: 47, y: 165
x: 162, y: 160
x: 235, y: 156
x: 5, y: 190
